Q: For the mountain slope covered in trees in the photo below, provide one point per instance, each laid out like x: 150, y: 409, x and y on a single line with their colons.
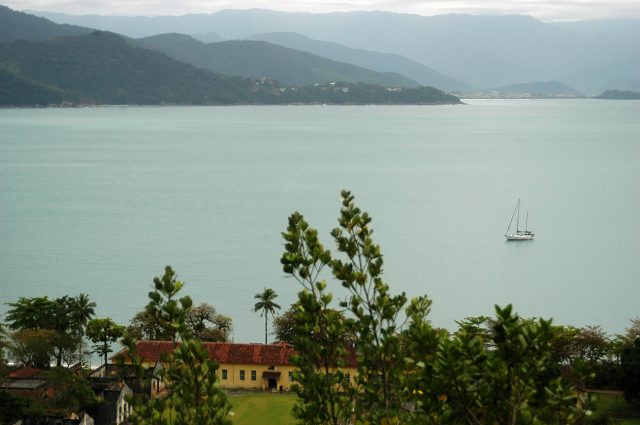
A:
x: 381, y: 62
x: 41, y: 68
x: 102, y: 68
x: 17, y: 25
x: 481, y: 50
x: 257, y: 59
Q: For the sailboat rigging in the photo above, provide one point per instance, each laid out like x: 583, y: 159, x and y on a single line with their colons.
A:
x: 518, y: 235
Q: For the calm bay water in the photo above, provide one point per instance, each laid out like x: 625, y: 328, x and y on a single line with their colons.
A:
x: 98, y: 200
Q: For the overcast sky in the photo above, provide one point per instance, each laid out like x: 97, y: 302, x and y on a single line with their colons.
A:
x: 546, y: 10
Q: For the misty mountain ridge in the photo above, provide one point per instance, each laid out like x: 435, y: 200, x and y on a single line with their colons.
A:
x: 101, y: 68
x: 382, y: 62
x: 105, y: 68
x: 18, y: 25
x: 210, y: 37
x: 480, y: 50
x: 258, y: 59
x: 529, y: 90
x: 619, y: 95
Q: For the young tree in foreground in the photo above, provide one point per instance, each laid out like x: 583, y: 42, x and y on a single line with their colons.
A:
x: 325, y: 395
x: 499, y: 373
x: 194, y: 396
x: 266, y: 305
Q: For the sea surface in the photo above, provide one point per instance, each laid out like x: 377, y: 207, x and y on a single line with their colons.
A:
x: 98, y: 200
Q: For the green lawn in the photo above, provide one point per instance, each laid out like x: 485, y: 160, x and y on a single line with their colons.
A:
x: 275, y: 408
x: 617, y: 408
x: 262, y: 408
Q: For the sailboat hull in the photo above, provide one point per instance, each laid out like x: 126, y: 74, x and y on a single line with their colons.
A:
x: 516, y: 237
x: 519, y: 235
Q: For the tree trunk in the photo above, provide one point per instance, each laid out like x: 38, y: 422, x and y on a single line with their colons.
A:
x: 265, y: 329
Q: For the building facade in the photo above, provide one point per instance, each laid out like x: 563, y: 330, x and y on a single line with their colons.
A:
x: 264, y: 367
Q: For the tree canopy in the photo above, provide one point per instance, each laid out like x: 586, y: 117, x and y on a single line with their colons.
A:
x: 202, y: 320
x: 59, y: 322
x: 490, y: 371
x: 194, y: 395
x: 104, y: 332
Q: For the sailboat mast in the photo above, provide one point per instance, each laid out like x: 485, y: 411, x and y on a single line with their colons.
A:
x: 526, y: 223
x: 511, y: 221
x: 518, y: 219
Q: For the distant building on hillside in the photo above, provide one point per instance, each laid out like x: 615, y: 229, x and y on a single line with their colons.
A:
x: 241, y: 366
x: 28, y: 382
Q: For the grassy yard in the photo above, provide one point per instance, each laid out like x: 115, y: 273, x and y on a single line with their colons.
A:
x: 617, y: 408
x: 275, y: 408
x: 262, y: 408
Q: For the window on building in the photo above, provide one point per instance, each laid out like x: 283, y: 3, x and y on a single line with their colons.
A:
x: 254, y: 375
x: 290, y: 376
x: 224, y: 374
x: 242, y: 375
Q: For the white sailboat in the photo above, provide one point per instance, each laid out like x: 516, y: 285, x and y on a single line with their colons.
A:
x: 519, y: 235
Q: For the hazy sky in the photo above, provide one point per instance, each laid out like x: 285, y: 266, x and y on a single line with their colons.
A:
x: 542, y: 9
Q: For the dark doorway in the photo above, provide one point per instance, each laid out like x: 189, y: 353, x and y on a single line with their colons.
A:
x: 272, y: 384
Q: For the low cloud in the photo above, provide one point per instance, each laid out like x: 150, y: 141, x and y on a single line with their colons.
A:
x: 541, y: 9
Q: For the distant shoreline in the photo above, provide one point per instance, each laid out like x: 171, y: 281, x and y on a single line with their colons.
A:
x: 462, y: 102
x: 221, y: 105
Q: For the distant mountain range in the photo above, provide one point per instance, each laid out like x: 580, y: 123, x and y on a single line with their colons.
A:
x: 619, y: 95
x: 18, y: 25
x: 382, y: 62
x: 534, y: 90
x: 38, y: 66
x: 258, y: 59
x: 257, y: 56
x: 480, y: 51
x: 101, y: 68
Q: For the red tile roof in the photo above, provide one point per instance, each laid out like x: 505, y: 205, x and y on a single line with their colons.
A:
x: 26, y: 372
x: 223, y: 352
x: 229, y: 353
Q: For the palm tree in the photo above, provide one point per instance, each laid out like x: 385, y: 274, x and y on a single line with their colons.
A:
x: 266, y: 306
x: 82, y: 310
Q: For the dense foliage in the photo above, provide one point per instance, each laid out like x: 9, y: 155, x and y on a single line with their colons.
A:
x: 631, y: 369
x: 410, y: 373
x: 16, y: 91
x: 493, y: 370
x: 193, y: 395
x: 47, y: 329
x: 102, y: 68
x: 619, y: 94
x: 258, y: 59
x: 284, y: 325
x: 71, y: 392
x: 202, y: 320
x: 104, y: 332
x: 18, y: 25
